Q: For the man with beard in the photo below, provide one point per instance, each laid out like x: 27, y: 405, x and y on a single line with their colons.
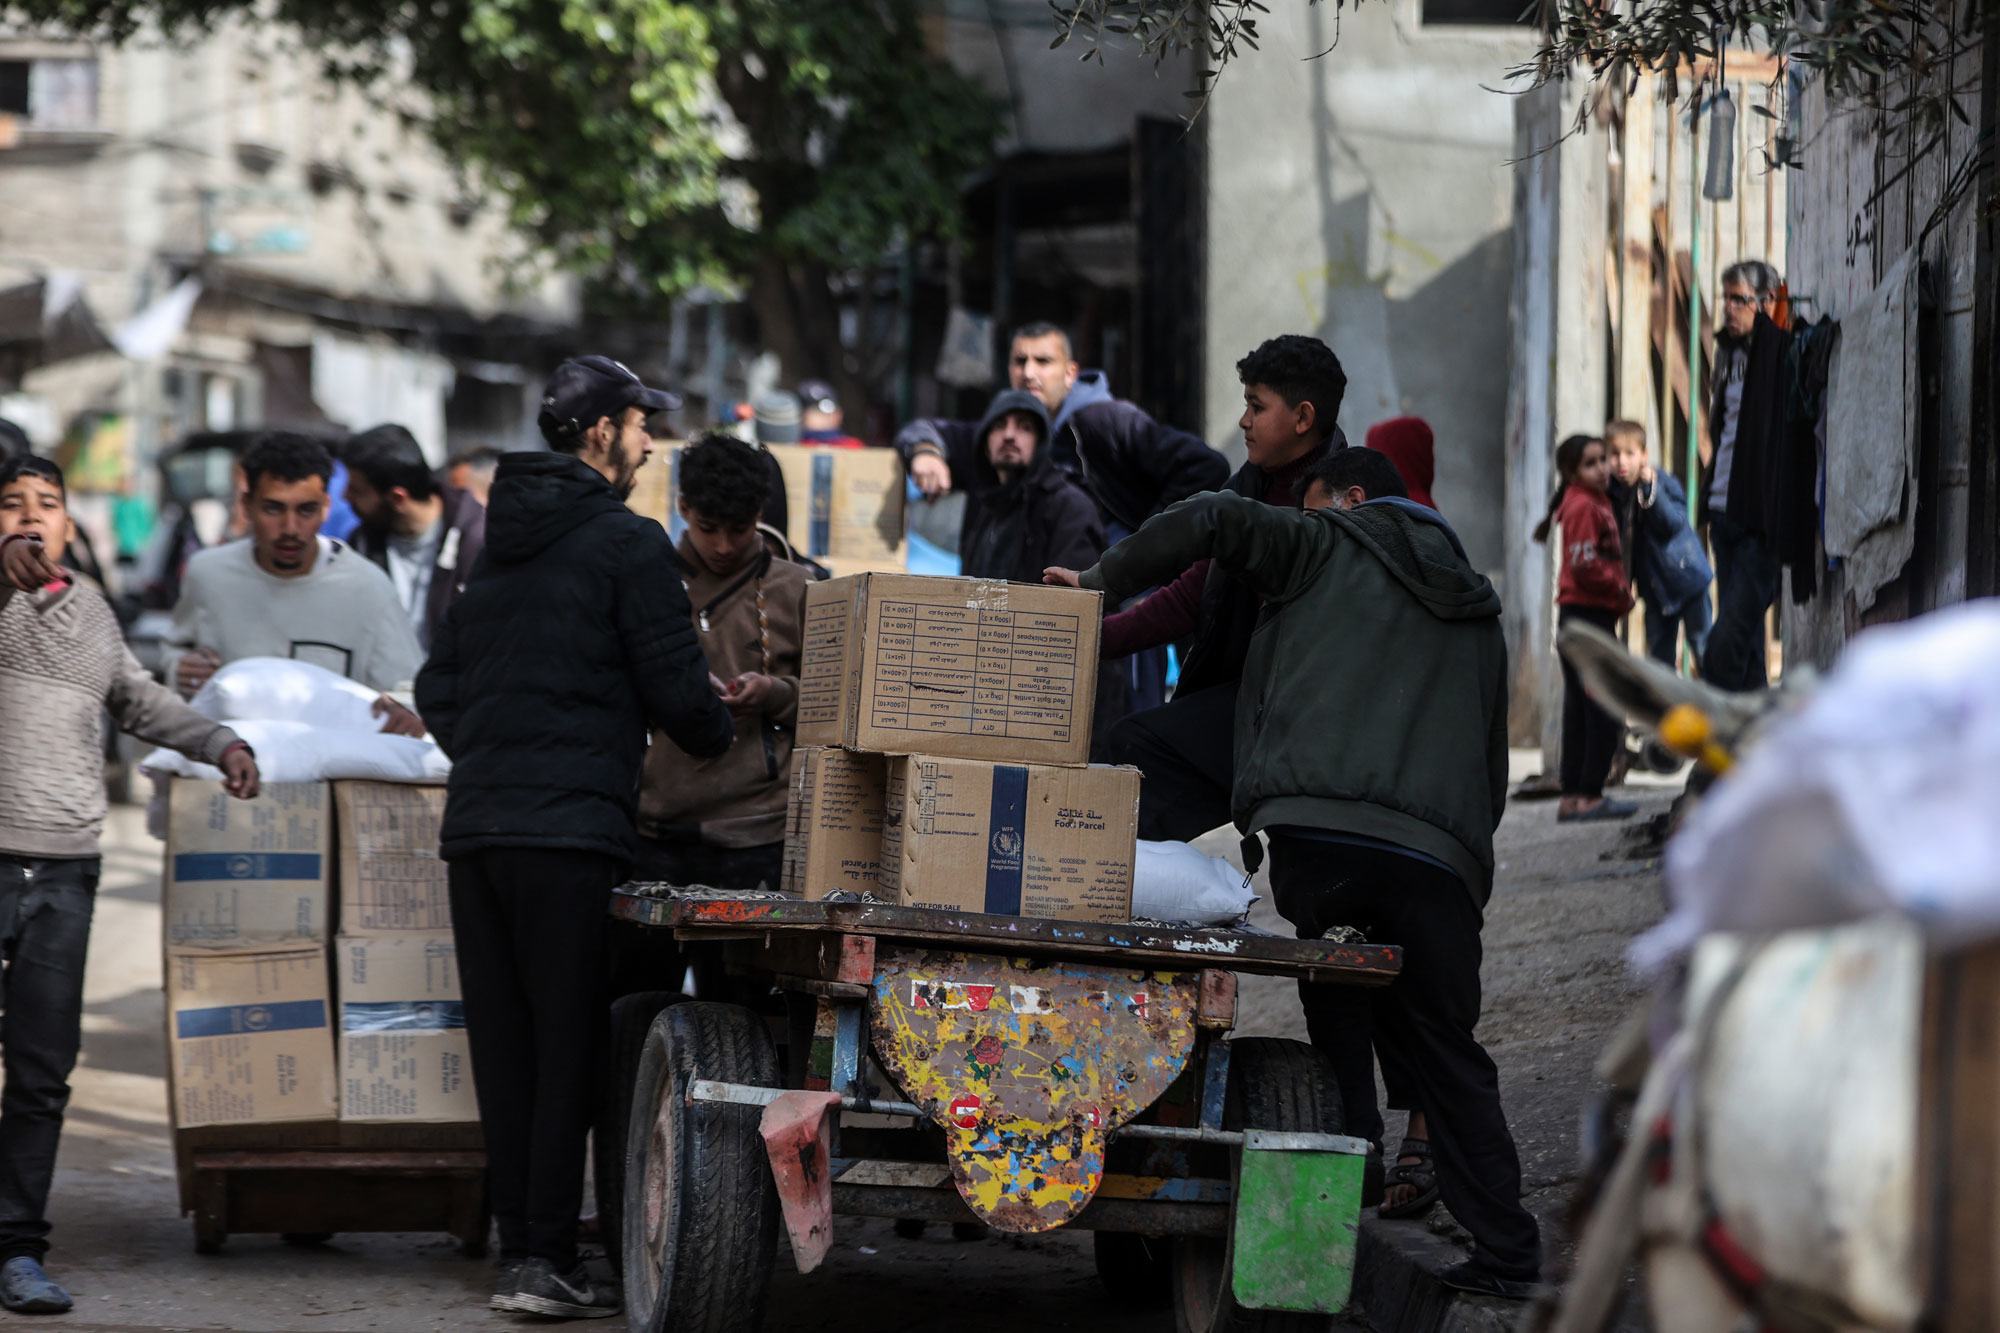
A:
x: 425, y: 536
x: 572, y: 640
x: 289, y: 590
x: 1030, y: 515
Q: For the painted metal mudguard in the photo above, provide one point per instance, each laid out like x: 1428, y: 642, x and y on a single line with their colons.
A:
x: 1028, y: 1066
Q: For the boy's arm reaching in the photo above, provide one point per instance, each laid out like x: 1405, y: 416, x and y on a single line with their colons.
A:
x: 1272, y: 548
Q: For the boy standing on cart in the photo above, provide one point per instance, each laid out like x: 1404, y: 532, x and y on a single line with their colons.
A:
x: 1371, y: 749
x: 63, y: 663
x: 570, y: 642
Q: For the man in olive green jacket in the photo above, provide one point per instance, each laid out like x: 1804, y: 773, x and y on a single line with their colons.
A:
x: 1371, y: 749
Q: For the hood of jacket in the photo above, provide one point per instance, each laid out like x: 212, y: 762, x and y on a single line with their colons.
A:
x: 539, y: 498
x: 1091, y: 387
x: 1409, y: 444
x: 1041, y: 468
x: 1422, y: 553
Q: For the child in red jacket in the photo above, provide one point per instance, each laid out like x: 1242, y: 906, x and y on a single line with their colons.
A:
x: 1595, y: 588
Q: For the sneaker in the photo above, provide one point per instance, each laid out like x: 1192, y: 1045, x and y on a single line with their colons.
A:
x: 1475, y: 1278
x: 572, y: 1295
x: 506, y: 1283
x: 26, y: 1289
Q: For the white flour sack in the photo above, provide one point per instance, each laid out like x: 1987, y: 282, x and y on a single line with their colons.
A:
x: 279, y: 689
x: 1171, y: 881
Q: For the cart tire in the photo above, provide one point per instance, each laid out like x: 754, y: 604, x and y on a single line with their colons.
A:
x: 1137, y: 1270
x: 631, y: 1019
x: 1274, y: 1083
x: 700, y: 1226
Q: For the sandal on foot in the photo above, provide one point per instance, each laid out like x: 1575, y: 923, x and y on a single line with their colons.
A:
x: 1420, y: 1175
x: 1474, y: 1277
x: 1604, y: 809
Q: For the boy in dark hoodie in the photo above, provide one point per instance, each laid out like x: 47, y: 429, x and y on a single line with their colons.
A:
x: 1370, y: 746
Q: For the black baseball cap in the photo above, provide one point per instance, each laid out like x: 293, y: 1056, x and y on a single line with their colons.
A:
x: 818, y: 396
x: 586, y: 388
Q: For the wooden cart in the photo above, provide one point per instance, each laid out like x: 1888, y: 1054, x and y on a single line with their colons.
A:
x: 872, y: 1060
x: 309, y: 1181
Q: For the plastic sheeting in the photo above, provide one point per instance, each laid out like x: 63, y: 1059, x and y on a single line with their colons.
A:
x: 1878, y: 795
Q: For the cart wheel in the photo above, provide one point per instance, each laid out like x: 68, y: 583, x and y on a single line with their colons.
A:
x: 631, y: 1019
x: 1137, y: 1270
x: 1274, y: 1083
x: 700, y: 1228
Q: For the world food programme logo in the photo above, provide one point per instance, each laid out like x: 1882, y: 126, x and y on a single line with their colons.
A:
x: 242, y: 867
x: 256, y: 1018
x: 1007, y: 843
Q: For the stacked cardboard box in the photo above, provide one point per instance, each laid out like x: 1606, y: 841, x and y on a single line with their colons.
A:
x: 404, y: 1056
x: 252, y: 1004
x: 944, y: 726
x: 845, y: 506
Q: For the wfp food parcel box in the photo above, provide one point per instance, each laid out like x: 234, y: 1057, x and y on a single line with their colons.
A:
x: 404, y: 1055
x: 247, y: 875
x: 1011, y: 839
x: 249, y: 1037
x: 954, y: 667
x: 391, y: 877
x: 833, y: 822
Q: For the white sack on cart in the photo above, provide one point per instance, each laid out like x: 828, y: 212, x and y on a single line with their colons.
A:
x: 1877, y: 796
x: 1171, y: 881
x: 277, y: 688
x: 297, y: 752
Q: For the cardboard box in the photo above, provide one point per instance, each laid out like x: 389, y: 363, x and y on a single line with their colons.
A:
x: 967, y: 668
x: 404, y: 1056
x: 844, y: 506
x: 247, y: 875
x: 833, y: 822
x: 249, y: 1037
x: 1011, y: 839
x: 390, y: 874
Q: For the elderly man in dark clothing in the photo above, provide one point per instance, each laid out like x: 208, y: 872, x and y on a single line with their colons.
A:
x: 572, y: 639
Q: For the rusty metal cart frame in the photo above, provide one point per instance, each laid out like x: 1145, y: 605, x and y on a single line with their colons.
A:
x: 954, y: 1066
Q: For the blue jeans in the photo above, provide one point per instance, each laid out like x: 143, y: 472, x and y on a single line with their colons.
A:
x: 1662, y: 630
x: 1746, y: 583
x: 45, y: 909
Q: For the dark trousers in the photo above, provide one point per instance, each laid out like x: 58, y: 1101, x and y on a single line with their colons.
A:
x: 45, y: 909
x: 1590, y: 735
x: 1421, y: 1026
x: 1186, y: 748
x: 530, y: 925
x: 690, y: 861
x: 1746, y: 584
x: 1663, y: 630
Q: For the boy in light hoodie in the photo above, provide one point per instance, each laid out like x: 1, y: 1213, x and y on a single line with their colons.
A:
x: 63, y: 662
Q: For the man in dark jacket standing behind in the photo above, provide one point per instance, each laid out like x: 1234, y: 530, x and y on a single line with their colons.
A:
x: 571, y: 640
x: 1371, y: 749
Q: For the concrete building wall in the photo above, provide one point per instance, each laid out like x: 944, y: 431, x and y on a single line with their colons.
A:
x: 1366, y: 197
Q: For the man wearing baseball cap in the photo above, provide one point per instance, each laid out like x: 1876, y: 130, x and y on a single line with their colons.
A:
x: 570, y: 641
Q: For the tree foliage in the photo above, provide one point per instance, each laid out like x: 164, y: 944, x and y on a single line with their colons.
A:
x: 653, y: 144
x: 1903, y: 58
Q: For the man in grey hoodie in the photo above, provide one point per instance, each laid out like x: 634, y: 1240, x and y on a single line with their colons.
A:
x: 1371, y: 749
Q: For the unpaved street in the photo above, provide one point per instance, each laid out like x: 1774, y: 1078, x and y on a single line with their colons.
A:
x: 1555, y: 988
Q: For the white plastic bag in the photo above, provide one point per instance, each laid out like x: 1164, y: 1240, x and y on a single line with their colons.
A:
x: 1878, y: 795
x: 1171, y: 881
x: 277, y: 688
x: 301, y: 752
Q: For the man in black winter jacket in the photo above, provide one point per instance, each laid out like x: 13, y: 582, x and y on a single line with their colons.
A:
x: 570, y: 641
x: 1027, y: 514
